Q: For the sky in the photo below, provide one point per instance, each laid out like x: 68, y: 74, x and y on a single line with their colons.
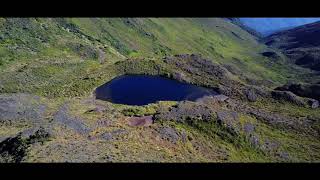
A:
x: 269, y: 25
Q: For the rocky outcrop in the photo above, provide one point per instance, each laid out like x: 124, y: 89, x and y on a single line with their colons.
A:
x: 229, y: 120
x: 288, y: 96
x: 171, y: 134
x: 179, y: 76
x: 21, y: 107
x: 63, y: 118
x: 303, y: 90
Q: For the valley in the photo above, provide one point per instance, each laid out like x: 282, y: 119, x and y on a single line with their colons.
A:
x: 50, y: 69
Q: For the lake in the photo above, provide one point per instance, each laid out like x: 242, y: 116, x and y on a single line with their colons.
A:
x: 145, y: 89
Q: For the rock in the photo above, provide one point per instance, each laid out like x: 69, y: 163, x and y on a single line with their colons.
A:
x: 140, y: 121
x: 62, y: 117
x: 304, y: 90
x: 270, y: 146
x: 101, y: 56
x: 313, y: 103
x: 40, y: 135
x: 254, y: 140
x: 187, y: 112
x: 287, y: 96
x: 13, y: 150
x: 251, y: 95
x: 169, y: 134
x: 283, y: 155
x: 248, y: 128
x: 18, y: 107
x: 230, y: 120
x: 220, y: 98
x: 179, y: 76
x: 283, y: 122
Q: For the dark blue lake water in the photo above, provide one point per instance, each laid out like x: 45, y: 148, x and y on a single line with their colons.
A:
x: 144, y: 89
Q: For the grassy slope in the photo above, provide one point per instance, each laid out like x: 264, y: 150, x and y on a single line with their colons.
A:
x: 42, y: 56
x: 49, y: 48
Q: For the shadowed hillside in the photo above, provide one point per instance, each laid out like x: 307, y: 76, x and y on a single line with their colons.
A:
x: 301, y: 44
